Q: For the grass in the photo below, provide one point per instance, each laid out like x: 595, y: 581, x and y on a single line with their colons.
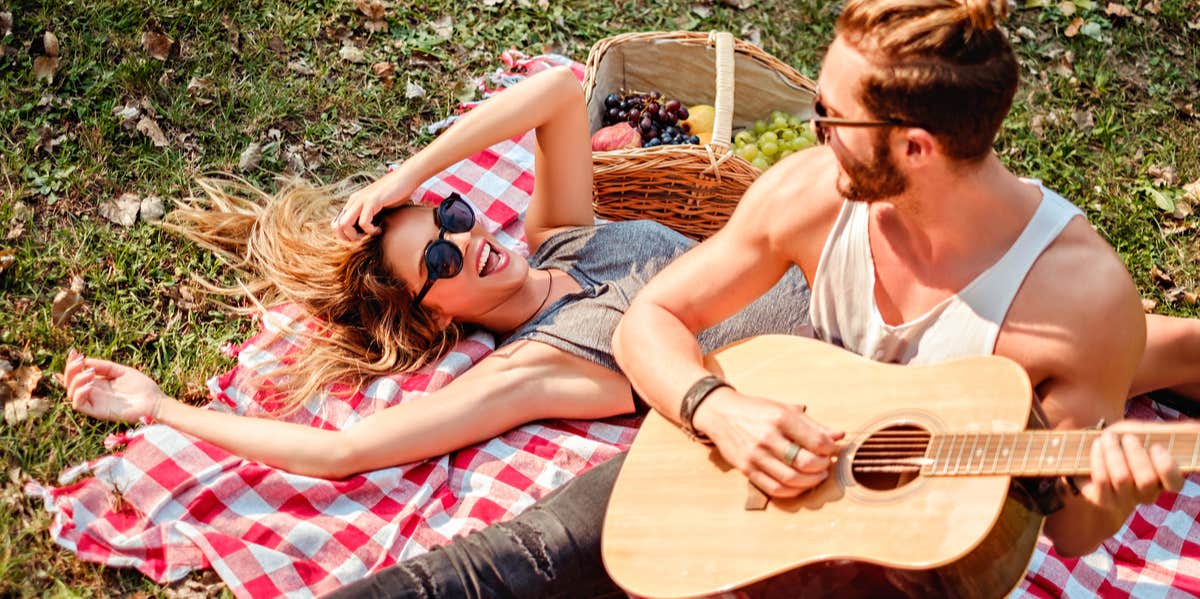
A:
x: 1099, y: 117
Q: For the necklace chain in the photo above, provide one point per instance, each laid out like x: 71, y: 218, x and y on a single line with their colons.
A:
x: 549, y: 286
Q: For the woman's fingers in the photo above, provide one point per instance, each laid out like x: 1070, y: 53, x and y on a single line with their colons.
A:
x: 345, y: 222
x: 366, y: 218
x: 82, y: 378
x: 107, y: 369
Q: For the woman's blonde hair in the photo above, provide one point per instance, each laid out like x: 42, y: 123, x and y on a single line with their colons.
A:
x: 284, y: 251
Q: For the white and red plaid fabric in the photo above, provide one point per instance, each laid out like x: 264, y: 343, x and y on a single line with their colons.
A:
x: 168, y: 504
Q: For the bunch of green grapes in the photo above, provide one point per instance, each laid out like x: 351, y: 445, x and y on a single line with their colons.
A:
x: 769, y: 141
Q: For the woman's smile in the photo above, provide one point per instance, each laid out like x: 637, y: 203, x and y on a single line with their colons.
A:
x: 489, y: 259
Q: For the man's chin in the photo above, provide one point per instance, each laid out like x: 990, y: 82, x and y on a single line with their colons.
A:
x: 852, y: 192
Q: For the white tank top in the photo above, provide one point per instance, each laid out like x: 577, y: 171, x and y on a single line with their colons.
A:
x: 965, y: 324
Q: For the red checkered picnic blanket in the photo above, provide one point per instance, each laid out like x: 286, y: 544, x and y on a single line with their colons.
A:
x: 168, y: 504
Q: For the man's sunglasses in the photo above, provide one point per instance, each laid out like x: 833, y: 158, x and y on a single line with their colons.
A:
x: 822, y: 122
x: 443, y: 259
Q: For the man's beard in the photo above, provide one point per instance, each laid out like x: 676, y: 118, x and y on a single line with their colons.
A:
x: 875, y: 180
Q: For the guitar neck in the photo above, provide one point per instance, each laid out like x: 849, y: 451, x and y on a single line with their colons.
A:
x: 1027, y: 453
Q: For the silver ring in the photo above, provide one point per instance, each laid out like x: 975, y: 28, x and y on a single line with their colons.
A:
x: 789, y: 456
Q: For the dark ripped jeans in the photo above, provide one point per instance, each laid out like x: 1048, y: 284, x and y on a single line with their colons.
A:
x: 552, y: 550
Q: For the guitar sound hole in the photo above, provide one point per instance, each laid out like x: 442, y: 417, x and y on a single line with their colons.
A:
x: 890, y: 458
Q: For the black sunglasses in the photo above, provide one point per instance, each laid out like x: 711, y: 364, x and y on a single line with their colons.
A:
x: 822, y: 121
x: 443, y: 259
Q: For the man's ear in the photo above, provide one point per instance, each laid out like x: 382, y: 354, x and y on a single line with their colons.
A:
x: 919, y: 147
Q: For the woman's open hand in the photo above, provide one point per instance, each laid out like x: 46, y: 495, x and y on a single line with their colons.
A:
x: 110, y: 391
x: 357, y: 217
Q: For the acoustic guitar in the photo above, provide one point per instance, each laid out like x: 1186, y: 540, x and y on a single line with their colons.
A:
x: 919, y: 501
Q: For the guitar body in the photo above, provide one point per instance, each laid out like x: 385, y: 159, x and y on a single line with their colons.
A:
x: 677, y: 525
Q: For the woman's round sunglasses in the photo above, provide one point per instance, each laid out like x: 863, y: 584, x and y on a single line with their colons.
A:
x: 443, y: 259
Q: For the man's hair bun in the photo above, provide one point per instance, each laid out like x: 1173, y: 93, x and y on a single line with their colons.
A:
x: 985, y: 15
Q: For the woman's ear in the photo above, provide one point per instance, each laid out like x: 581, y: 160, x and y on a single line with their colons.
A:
x: 442, y: 319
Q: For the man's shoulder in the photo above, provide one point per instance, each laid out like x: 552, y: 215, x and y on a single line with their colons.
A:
x: 1077, y: 305
x: 1080, y: 266
x: 795, y: 201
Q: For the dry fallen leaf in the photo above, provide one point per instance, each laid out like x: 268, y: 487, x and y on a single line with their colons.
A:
x: 128, y: 115
x: 1174, y: 294
x: 1190, y: 298
x: 1084, y: 120
x: 198, y: 88
x: 45, y: 67
x: 372, y: 9
x: 151, y: 209
x: 123, y: 210
x: 7, y: 259
x: 150, y: 129
x: 5, y: 23
x: 250, y: 157
x: 21, y: 404
x: 301, y: 67
x: 375, y: 11
x: 1183, y: 209
x: 157, y: 45
x: 383, y: 70
x: 66, y: 302
x: 1067, y: 8
x: 444, y: 27
x: 1191, y: 192
x: 1073, y: 28
x: 50, y: 44
x: 1161, y: 277
x: 703, y: 11
x: 413, y: 90
x: 752, y: 34
x: 1153, y: 7
x: 350, y: 53
x: 1163, y: 175
x: 233, y: 33
x: 1118, y: 10
x: 276, y: 45
x: 738, y: 4
x: 1148, y: 305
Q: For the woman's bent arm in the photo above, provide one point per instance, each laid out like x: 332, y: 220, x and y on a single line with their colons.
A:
x: 551, y: 104
x: 520, y: 383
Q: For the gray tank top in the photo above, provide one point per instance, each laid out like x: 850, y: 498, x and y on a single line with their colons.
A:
x: 611, y: 263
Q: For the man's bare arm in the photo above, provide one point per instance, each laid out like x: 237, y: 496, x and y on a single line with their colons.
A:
x: 1083, y: 365
x: 655, y: 343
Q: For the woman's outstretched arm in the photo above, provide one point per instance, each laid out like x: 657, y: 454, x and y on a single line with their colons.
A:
x: 522, y: 382
x: 551, y: 104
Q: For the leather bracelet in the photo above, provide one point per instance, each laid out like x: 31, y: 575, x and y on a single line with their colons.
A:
x: 696, y: 394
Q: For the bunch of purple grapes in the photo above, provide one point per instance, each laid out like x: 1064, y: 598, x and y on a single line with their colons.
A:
x: 652, y: 115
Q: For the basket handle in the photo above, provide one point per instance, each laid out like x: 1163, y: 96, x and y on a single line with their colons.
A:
x: 723, y: 120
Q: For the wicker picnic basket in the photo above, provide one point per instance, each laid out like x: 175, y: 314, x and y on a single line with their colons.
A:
x: 691, y: 188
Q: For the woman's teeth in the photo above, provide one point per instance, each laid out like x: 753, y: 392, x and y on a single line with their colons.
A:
x: 483, y: 258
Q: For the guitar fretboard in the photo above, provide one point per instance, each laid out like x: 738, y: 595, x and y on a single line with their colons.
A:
x: 1037, y: 453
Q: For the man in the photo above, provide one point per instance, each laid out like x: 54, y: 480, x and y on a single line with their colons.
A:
x: 921, y: 247
x: 907, y: 189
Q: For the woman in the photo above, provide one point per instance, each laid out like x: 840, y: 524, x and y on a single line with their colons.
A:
x: 396, y: 297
